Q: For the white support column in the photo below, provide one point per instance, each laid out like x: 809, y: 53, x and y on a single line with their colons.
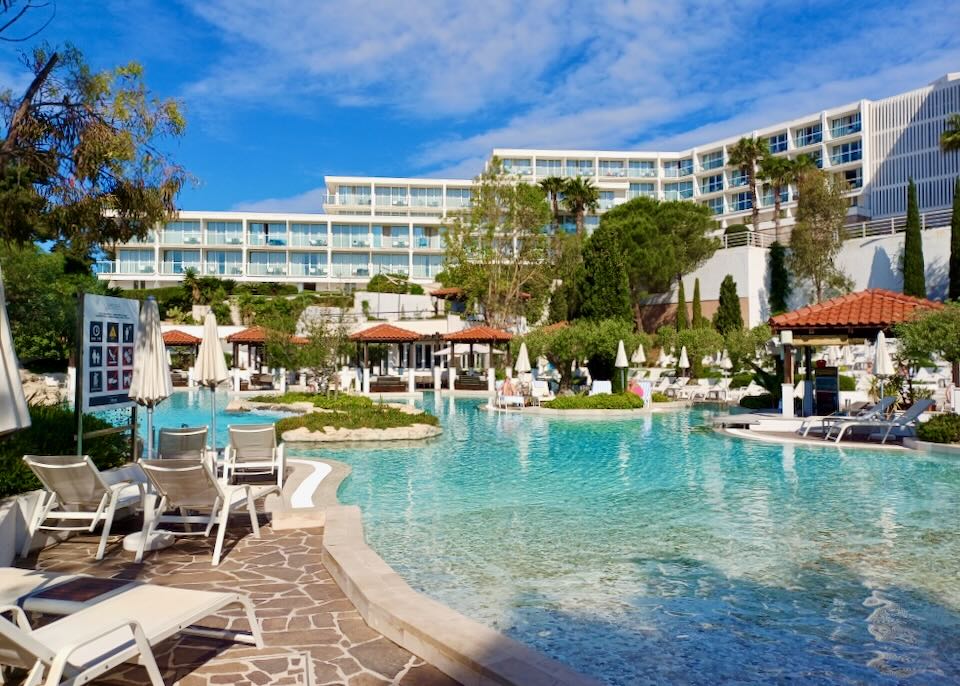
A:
x: 236, y: 379
x: 787, y: 394
x: 437, y: 378
x: 491, y: 380
x: 451, y: 377
x: 411, y: 379
x: 283, y: 380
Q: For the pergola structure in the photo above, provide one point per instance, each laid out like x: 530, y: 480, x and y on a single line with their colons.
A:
x: 851, y: 319
x: 483, y: 335
x: 180, y: 339
x: 387, y: 334
x: 255, y: 340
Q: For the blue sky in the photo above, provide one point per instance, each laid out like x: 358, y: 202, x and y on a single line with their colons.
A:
x: 278, y: 94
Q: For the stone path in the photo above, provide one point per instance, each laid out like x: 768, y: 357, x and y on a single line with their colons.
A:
x: 313, y: 634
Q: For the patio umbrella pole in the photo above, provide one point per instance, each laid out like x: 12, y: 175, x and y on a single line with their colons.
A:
x: 213, y: 417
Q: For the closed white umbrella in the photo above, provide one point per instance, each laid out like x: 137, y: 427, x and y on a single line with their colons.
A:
x: 210, y: 369
x: 726, y: 363
x: 14, y: 414
x: 621, y: 362
x: 684, y: 362
x: 150, y: 384
x: 639, y: 356
x: 882, y: 364
x: 523, y: 360
x: 664, y: 359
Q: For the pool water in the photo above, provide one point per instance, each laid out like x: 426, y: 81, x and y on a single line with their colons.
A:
x: 657, y: 551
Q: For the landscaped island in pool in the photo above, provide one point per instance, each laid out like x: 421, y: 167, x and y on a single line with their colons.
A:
x: 654, y: 550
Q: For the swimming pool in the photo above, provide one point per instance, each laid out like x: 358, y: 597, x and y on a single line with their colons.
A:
x: 658, y: 551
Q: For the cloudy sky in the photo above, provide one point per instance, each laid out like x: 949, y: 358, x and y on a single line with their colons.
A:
x: 279, y: 94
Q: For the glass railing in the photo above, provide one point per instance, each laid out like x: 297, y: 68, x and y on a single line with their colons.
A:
x: 299, y: 269
x: 521, y: 171
x: 224, y: 239
x: 427, y: 243
x: 225, y: 269
x: 457, y: 203
x: 308, y: 241
x: 606, y: 203
x: 845, y: 130
x: 642, y: 173
x: 264, y: 240
x: 425, y: 202
x: 549, y: 171
x: 579, y: 171
x: 641, y: 194
x: 707, y: 165
x: 615, y: 172
x: 179, y: 267
x: 393, y: 202
x: 809, y: 139
x: 843, y: 158
x: 711, y: 188
x: 738, y: 181
x: 674, y: 172
x: 263, y: 269
x: 347, y: 270
x: 180, y: 238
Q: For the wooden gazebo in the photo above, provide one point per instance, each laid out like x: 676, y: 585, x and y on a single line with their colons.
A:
x: 484, y: 335
x: 175, y: 338
x: 387, y: 334
x: 255, y: 339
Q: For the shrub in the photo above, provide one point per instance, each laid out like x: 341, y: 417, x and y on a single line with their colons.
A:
x: 617, y: 401
x: 734, y: 229
x: 659, y: 397
x: 764, y: 401
x: 51, y: 432
x: 741, y: 379
x: 334, y: 401
x: 367, y: 417
x: 847, y: 383
x: 944, y: 428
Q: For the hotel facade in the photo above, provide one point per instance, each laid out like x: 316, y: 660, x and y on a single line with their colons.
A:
x: 378, y: 225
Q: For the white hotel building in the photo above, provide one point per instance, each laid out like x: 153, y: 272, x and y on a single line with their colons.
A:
x: 393, y: 225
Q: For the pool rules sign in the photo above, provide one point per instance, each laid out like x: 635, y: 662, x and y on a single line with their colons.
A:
x: 109, y: 327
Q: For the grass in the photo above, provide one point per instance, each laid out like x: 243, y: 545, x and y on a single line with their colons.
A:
x: 334, y: 401
x: 618, y: 401
x: 343, y: 412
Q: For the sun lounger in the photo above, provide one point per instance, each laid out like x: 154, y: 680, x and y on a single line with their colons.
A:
x: 873, y: 412
x: 511, y: 401
x: 601, y: 387
x: 253, y: 449
x: 75, y: 490
x: 104, y: 624
x: 902, y: 421
x: 673, y: 390
x: 719, y: 390
x: 190, y: 485
x: 186, y: 442
x: 540, y: 391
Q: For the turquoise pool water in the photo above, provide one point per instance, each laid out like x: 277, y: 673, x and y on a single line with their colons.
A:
x: 657, y: 551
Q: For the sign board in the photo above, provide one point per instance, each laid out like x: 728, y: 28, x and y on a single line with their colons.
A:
x: 109, y: 329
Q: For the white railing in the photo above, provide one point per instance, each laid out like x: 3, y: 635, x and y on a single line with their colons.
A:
x: 755, y: 239
x: 894, y: 225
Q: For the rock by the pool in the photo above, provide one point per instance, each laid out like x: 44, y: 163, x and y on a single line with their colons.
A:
x: 331, y: 435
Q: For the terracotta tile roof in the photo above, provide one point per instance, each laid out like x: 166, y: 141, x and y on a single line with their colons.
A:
x: 479, y: 334
x: 452, y: 292
x: 556, y: 326
x: 385, y: 333
x: 875, y: 308
x: 258, y: 334
x: 175, y: 337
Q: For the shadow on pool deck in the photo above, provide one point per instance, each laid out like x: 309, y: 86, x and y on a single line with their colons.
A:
x: 313, y: 634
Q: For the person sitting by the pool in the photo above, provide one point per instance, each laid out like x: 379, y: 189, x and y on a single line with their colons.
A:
x: 508, y: 387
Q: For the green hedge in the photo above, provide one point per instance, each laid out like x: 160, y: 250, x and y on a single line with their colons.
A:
x: 659, y: 397
x: 51, y: 433
x: 741, y: 379
x: 847, y: 383
x: 736, y: 228
x: 944, y: 428
x: 764, y: 401
x: 617, y: 401
x: 334, y: 401
x: 372, y: 417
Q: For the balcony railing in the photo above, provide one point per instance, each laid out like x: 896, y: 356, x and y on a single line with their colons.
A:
x: 427, y: 243
x: 261, y: 269
x: 393, y: 201
x: 257, y: 240
x: 297, y: 269
x: 845, y: 130
x: 675, y: 172
x: 809, y: 139
x: 118, y: 267
x: 614, y: 172
x: 180, y: 267
x: 579, y: 171
x: 520, y: 171
x: 303, y: 241
x: 346, y: 271
x: 844, y: 157
x: 180, y: 238
x: 347, y: 200
x: 222, y: 239
x: 707, y: 165
x: 225, y: 269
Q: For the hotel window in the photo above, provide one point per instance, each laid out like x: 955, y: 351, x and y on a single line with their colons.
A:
x: 391, y: 236
x: 427, y: 266
x: 808, y: 135
x: 579, y: 167
x: 521, y: 167
x: 308, y: 264
x: 346, y: 265
x: 715, y: 205
x: 767, y: 200
x: 268, y: 233
x: 391, y: 196
x: 675, y: 168
x: 854, y: 177
x: 712, y: 184
x: 267, y: 264
x: 187, y: 232
x: 224, y: 233
x: 817, y: 157
x: 642, y: 169
x: 612, y: 168
x: 308, y: 235
x: 712, y: 160
x: 678, y: 191
x: 351, y: 236
x: 224, y: 263
x: 427, y: 238
x: 425, y: 197
x: 846, y: 152
x: 740, y: 202
x: 458, y: 197
x: 844, y: 126
x: 549, y: 168
x: 606, y: 200
x: 738, y: 178
x: 179, y: 261
x: 647, y: 190
x: 353, y: 195
x: 135, y: 261
x: 777, y: 143
x: 391, y: 264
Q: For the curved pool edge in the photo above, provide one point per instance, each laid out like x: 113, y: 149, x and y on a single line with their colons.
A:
x: 462, y: 648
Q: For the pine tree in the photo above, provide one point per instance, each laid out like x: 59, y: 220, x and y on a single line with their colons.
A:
x: 954, y: 291
x: 914, y: 281
x: 728, y: 317
x: 780, y: 287
x: 683, y: 322
x: 697, y: 319
x: 604, y: 291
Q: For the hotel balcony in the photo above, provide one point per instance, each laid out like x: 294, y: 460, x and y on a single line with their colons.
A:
x: 179, y: 238
x: 302, y: 241
x: 221, y: 239
x: 258, y: 240
x: 263, y: 269
x: 117, y: 267
x: 845, y: 130
x: 675, y: 172
x: 226, y: 269
x: 614, y: 172
x: 314, y: 270
x: 180, y: 267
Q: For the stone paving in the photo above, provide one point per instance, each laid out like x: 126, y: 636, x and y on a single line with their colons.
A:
x: 312, y: 632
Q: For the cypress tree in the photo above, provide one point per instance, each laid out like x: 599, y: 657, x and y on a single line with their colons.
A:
x: 914, y: 281
x: 728, y: 317
x: 604, y: 291
x: 683, y: 322
x: 954, y: 291
x: 780, y: 287
x: 697, y: 318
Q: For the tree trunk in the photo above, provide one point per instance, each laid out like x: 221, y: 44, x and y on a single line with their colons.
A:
x: 776, y: 213
x: 13, y: 131
x: 754, y: 207
x: 580, y: 229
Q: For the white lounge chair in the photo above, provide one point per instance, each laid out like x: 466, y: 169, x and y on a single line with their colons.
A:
x: 540, y: 391
x: 875, y: 411
x: 75, y: 490
x: 186, y: 442
x: 902, y: 421
x: 190, y: 485
x: 673, y: 390
x: 253, y: 449
x: 719, y: 390
x: 101, y: 631
x: 601, y: 387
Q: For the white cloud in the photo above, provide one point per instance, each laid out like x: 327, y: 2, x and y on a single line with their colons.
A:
x: 308, y: 201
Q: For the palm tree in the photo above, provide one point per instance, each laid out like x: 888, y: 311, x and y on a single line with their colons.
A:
x: 950, y: 138
x: 580, y: 195
x: 191, y: 283
x: 779, y: 172
x: 553, y: 186
x: 747, y: 154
